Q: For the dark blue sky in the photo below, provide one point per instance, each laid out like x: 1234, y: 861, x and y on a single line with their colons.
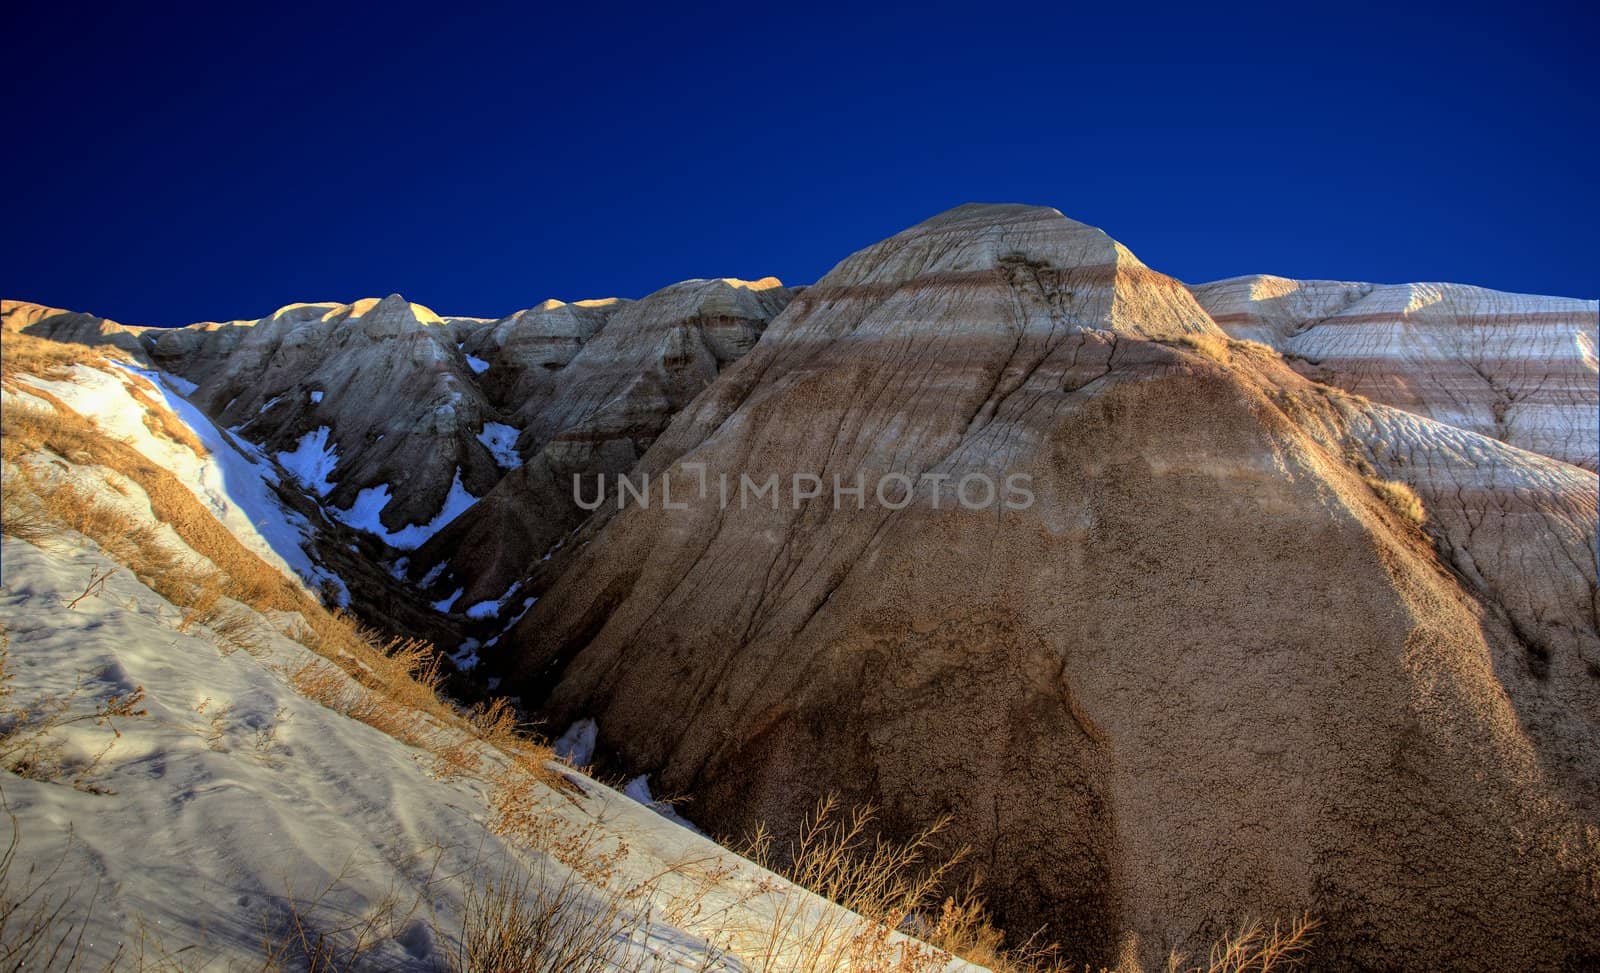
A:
x: 168, y: 164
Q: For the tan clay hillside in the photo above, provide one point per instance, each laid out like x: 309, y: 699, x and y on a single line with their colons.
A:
x: 1212, y: 669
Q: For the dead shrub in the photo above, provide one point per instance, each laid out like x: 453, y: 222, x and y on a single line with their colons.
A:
x: 1254, y: 948
x: 29, y: 746
x: 536, y: 922
x: 884, y: 885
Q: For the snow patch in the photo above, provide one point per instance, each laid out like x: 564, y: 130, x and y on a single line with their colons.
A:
x: 491, y: 608
x: 312, y: 461
x: 288, y: 788
x: 465, y: 657
x: 179, y: 384
x: 316, y: 397
x: 448, y: 603
x: 576, y: 746
x: 478, y: 365
x: 364, y: 515
x: 639, y: 790
x: 501, y: 442
x: 233, y: 481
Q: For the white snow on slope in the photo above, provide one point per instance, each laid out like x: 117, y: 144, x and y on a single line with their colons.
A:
x: 478, y: 365
x: 639, y: 790
x: 364, y: 515
x: 501, y: 442
x: 316, y: 397
x: 183, y: 386
x: 312, y: 461
x: 234, y: 482
x: 235, y: 793
x: 491, y: 608
x: 465, y: 657
x: 576, y: 746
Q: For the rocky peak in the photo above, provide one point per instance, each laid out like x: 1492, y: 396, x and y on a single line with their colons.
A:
x: 1061, y: 273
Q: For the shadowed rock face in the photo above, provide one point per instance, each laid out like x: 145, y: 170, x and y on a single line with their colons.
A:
x: 595, y: 415
x: 1514, y: 367
x: 1208, y: 672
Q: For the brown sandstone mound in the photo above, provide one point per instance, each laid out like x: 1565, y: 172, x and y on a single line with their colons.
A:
x: 1209, y: 672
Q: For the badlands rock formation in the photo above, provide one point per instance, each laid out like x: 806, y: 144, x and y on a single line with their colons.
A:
x: 594, y: 415
x: 1210, y: 670
x: 373, y: 400
x: 72, y: 326
x: 1216, y: 667
x: 1514, y: 367
x: 392, y: 422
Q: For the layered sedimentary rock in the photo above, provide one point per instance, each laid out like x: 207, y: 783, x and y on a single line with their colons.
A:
x: 1217, y: 666
x: 523, y: 352
x: 1209, y: 671
x: 373, y: 403
x: 594, y: 415
x: 1514, y: 367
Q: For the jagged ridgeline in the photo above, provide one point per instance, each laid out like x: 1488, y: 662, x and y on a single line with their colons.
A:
x: 1302, y: 614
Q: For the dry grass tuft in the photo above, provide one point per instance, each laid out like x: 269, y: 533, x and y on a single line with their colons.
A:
x: 27, y: 426
x: 1400, y: 497
x: 29, y: 746
x: 20, y: 515
x: 964, y: 927
x: 311, y: 935
x: 887, y: 884
x: 36, y: 931
x: 1253, y: 347
x: 159, y: 419
x: 1254, y: 948
x: 23, y: 354
x: 516, y: 922
x: 1213, y: 346
x: 62, y: 431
